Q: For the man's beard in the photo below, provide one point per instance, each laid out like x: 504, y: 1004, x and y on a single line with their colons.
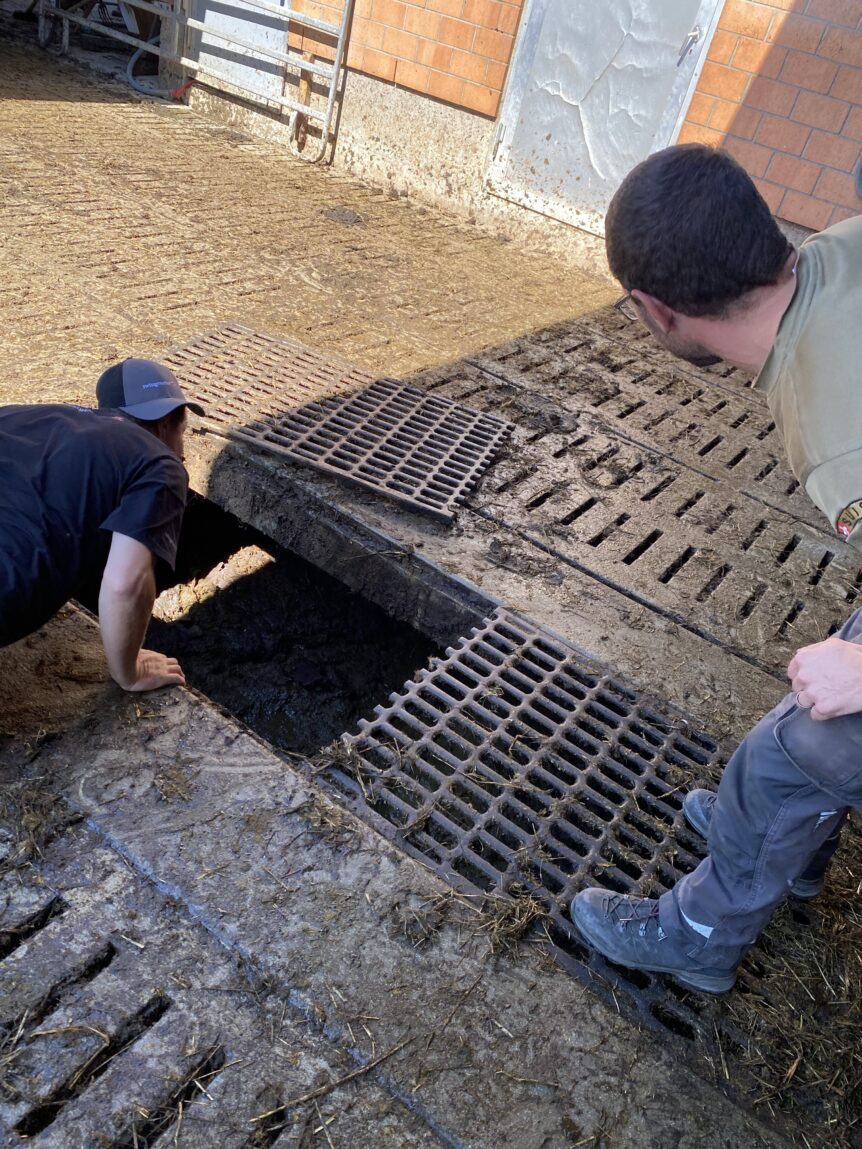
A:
x: 687, y: 349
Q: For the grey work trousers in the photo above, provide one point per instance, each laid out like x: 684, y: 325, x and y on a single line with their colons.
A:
x: 782, y: 799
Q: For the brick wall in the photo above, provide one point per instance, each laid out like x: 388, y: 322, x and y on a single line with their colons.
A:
x: 454, y: 50
x: 782, y: 91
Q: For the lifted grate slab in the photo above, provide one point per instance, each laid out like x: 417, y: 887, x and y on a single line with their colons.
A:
x: 424, y: 452
x: 238, y: 373
x: 517, y: 765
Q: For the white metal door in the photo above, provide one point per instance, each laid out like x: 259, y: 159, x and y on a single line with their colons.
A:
x: 593, y: 89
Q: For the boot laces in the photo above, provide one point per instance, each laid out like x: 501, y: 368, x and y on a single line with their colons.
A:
x: 642, y: 912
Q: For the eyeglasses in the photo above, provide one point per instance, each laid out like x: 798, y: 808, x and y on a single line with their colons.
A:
x: 627, y: 307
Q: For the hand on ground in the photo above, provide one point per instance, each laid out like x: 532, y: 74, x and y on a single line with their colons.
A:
x: 827, y: 677
x: 154, y: 670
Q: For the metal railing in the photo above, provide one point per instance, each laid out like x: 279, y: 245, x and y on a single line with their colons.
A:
x: 303, y: 65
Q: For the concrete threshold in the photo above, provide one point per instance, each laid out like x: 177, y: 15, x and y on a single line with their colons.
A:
x: 367, y: 951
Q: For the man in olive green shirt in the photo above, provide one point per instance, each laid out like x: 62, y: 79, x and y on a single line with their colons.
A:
x: 711, y: 275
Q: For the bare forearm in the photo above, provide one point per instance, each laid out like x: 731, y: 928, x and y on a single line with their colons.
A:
x: 124, y: 614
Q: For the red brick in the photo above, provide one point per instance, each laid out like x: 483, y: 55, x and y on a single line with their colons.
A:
x: 457, y: 33
x: 700, y: 108
x: 404, y: 45
x: 734, y: 118
x: 820, y: 111
x: 843, y: 45
x: 853, y: 126
x: 411, y: 75
x: 835, y: 11
x: 771, y: 96
x: 359, y: 29
x: 753, y: 158
x: 833, y: 151
x: 422, y: 22
x: 443, y: 87
x: 798, y: 32
x: 695, y: 134
x: 745, y: 122
x: 481, y: 99
x: 483, y: 13
x: 373, y: 35
x: 722, y: 46
x: 378, y: 64
x: 799, y: 208
x: 745, y: 18
x: 759, y: 57
x: 509, y: 19
x: 437, y: 56
x: 728, y: 83
x: 772, y: 193
x: 494, y: 45
x: 495, y: 76
x: 355, y: 54
x: 390, y: 12
x: 841, y: 213
x: 793, y: 173
x: 783, y: 135
x: 809, y: 71
x: 848, y: 85
x: 446, y: 7
x: 468, y: 66
x: 839, y: 188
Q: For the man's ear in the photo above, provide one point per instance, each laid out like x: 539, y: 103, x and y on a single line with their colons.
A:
x: 661, y: 315
x: 161, y: 428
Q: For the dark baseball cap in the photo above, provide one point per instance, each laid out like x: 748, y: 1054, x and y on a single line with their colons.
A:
x: 143, y: 389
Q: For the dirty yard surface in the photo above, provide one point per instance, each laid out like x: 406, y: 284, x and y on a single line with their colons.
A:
x: 196, y: 936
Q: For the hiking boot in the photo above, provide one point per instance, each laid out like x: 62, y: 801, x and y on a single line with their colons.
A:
x: 627, y: 931
x: 697, y: 807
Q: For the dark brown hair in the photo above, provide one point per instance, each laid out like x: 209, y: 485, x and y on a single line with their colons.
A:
x: 689, y: 227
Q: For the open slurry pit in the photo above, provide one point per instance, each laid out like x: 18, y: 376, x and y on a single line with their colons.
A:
x: 197, y: 933
x: 283, y: 646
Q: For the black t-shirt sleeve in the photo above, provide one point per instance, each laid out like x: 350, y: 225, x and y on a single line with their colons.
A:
x: 151, y: 508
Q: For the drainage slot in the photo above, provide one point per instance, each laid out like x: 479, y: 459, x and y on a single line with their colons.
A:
x: 791, y: 617
x: 692, y: 501
x: 12, y: 938
x: 677, y: 564
x: 167, y: 1115
x: 710, y: 446
x: 642, y: 547
x: 658, y: 488
x: 755, y: 535
x: 766, y: 470
x: 539, y: 500
x: 86, y: 973
x: 582, y: 509
x: 817, y: 575
x: 135, y: 1027
x: 714, y: 582
x: 607, y: 531
x: 785, y: 553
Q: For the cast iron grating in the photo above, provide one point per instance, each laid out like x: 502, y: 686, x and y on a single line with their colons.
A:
x: 424, y: 452
x: 755, y: 578
x: 625, y: 385
x: 517, y: 765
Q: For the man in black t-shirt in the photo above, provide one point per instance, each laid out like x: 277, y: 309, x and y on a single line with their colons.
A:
x: 88, y: 493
